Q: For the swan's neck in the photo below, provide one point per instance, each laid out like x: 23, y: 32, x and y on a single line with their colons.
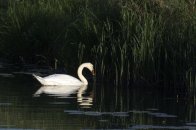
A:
x: 80, y: 75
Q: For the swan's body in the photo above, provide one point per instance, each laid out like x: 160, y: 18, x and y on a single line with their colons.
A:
x: 58, y: 80
x: 59, y: 91
x: 63, y: 79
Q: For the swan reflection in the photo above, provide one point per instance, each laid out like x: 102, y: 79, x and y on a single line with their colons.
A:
x: 84, y: 101
x: 66, y: 91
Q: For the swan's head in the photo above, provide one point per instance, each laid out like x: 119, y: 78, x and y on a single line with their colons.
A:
x: 90, y: 67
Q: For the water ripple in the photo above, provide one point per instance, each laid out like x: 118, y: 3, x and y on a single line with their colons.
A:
x: 5, y: 104
x: 144, y: 127
x: 162, y: 115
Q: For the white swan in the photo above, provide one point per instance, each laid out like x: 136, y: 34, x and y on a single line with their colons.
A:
x: 63, y: 79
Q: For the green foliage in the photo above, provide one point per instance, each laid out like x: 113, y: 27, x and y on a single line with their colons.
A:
x: 152, y: 40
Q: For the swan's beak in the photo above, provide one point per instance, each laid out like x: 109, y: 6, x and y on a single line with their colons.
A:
x: 93, y: 72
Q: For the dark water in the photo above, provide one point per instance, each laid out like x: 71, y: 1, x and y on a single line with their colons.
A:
x: 96, y: 107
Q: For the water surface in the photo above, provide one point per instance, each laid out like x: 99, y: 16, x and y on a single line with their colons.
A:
x: 96, y: 107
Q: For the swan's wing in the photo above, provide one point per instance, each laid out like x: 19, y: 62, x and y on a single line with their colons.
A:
x: 62, y: 79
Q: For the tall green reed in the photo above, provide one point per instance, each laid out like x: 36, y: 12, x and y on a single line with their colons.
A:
x: 128, y: 41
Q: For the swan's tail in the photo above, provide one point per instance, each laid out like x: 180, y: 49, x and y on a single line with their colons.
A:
x: 40, y: 79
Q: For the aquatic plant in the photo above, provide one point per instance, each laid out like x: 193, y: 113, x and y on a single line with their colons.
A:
x: 128, y: 41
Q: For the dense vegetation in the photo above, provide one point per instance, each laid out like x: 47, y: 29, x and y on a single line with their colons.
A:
x: 127, y: 40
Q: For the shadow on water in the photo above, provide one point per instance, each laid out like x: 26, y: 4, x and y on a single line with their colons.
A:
x: 26, y: 105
